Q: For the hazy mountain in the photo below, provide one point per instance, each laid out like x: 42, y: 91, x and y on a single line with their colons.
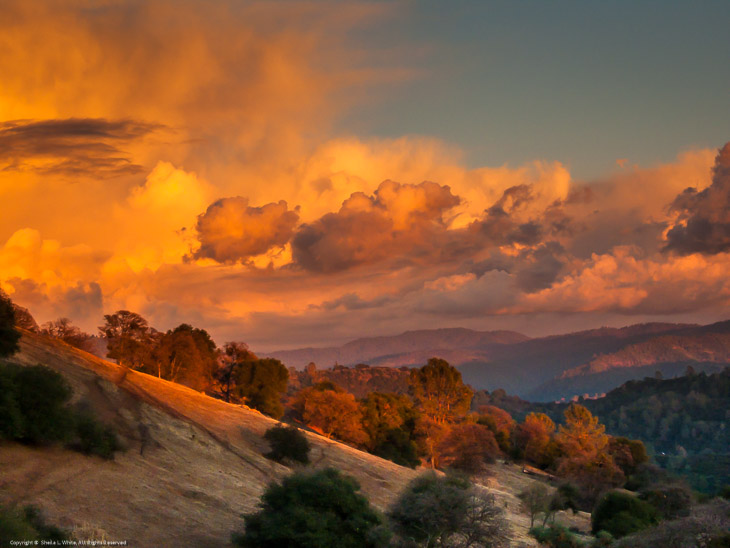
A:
x: 545, y: 368
x: 406, y: 349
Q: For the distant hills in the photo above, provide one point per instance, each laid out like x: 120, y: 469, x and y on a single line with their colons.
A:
x: 545, y: 368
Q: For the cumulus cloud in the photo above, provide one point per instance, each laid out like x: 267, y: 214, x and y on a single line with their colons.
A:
x: 402, y: 221
x: 703, y: 224
x: 230, y: 230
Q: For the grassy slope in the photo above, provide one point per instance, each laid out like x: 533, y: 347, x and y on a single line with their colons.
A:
x: 192, y: 466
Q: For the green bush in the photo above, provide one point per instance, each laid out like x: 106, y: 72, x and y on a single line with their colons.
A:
x: 313, y: 510
x: 94, y: 438
x: 397, y: 446
x: 449, y: 511
x: 287, y: 444
x: 33, y: 404
x: 672, y: 501
x: 27, y: 525
x: 555, y: 536
x: 34, y: 410
x: 621, y: 514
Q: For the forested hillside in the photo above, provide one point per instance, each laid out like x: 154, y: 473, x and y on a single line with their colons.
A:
x: 684, y: 421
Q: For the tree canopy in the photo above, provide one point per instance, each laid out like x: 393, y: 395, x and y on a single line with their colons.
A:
x: 9, y: 335
x: 321, y: 509
x: 439, y: 392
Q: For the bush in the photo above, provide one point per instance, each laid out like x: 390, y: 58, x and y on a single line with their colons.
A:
x: 287, y: 443
x: 621, y: 514
x: 448, y: 509
x: 555, y: 536
x: 672, y: 501
x: 314, y: 510
x: 94, y: 438
x: 34, y: 410
x: 27, y: 525
x: 398, y: 447
x: 34, y: 404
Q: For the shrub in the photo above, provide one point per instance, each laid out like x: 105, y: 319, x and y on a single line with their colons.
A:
x: 314, y: 510
x: 94, y: 438
x: 27, y: 525
x: 448, y: 510
x: 555, y: 536
x: 621, y: 514
x: 34, y: 410
x: 672, y: 501
x: 287, y: 443
x: 41, y: 395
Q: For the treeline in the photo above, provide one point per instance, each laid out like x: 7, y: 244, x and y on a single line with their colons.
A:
x: 684, y: 421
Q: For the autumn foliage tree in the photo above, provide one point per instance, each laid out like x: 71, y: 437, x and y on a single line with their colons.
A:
x: 439, y: 392
x: 186, y: 355
x: 584, y: 445
x: 468, y: 448
x: 499, y: 422
x: 533, y: 439
x: 330, y: 410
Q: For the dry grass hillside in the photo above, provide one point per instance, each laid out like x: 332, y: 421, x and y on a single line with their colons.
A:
x: 192, y: 464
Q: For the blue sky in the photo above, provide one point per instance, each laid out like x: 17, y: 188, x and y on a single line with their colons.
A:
x: 584, y: 83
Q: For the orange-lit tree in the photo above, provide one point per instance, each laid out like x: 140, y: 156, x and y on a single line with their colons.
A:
x: 439, y: 392
x: 584, y: 445
x: 533, y: 439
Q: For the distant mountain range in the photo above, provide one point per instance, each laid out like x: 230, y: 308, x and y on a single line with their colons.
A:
x: 540, y: 369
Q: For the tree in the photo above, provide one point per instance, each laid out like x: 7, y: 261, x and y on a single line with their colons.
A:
x: 129, y: 338
x: 535, y: 501
x: 627, y: 454
x: 586, y: 461
x: 439, y: 392
x: 447, y: 511
x: 186, y: 355
x: 334, y: 414
x: 532, y: 439
x: 9, y: 335
x: 389, y: 420
x: 261, y: 384
x: 233, y: 354
x: 322, y: 509
x: 62, y: 329
x: 287, y: 444
x: 468, y: 448
x: 499, y: 422
x: 621, y: 514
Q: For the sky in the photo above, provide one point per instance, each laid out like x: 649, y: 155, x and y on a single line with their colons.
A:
x: 305, y: 173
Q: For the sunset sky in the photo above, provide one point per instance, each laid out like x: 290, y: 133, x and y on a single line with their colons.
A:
x: 304, y: 173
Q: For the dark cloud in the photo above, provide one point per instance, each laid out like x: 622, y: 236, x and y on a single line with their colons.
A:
x: 71, y: 147
x: 400, y: 221
x: 540, y: 267
x: 704, y: 217
x: 81, y: 302
x: 501, y: 223
x: 231, y: 231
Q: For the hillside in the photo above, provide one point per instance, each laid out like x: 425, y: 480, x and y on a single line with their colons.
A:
x: 193, y: 464
x: 705, y: 348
